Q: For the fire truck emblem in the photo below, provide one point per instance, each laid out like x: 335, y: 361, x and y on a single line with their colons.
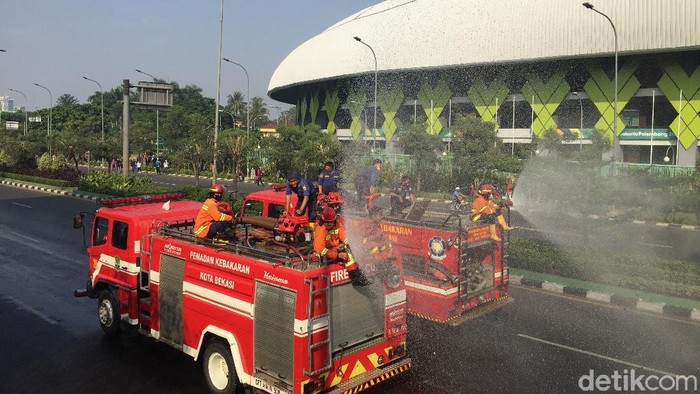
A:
x: 437, y: 248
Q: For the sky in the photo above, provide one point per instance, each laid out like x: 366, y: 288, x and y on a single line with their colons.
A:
x: 56, y: 43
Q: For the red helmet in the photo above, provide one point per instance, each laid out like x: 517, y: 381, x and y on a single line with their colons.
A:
x: 328, y: 214
x: 216, y: 188
x: 487, y: 188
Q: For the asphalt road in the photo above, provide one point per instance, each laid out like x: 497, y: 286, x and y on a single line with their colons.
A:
x: 52, y: 342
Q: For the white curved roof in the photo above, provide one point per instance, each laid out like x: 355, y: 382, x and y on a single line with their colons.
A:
x: 419, y: 34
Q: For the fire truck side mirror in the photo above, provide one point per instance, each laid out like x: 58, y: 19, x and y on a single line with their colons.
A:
x: 78, y: 220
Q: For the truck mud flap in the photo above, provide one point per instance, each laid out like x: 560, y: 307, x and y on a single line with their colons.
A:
x: 372, y: 378
x: 480, y: 311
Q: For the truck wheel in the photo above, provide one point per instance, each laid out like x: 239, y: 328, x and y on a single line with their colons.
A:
x: 108, y: 312
x: 219, y: 370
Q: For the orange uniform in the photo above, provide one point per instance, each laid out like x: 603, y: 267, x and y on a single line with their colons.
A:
x: 483, y: 206
x: 326, y: 242
x: 208, y: 214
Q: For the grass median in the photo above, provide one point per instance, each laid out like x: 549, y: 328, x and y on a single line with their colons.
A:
x: 677, y: 278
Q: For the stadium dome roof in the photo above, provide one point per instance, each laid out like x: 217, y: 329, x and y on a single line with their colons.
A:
x: 429, y: 34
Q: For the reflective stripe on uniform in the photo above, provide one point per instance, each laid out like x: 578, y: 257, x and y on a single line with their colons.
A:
x: 324, y: 251
x: 201, y: 228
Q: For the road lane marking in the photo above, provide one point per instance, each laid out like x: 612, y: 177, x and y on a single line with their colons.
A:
x: 22, y: 205
x: 586, y: 352
x: 25, y: 237
x: 656, y: 245
x: 21, y: 305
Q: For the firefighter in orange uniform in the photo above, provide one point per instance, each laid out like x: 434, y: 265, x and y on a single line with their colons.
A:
x: 214, y: 216
x: 331, y: 242
x: 487, y: 211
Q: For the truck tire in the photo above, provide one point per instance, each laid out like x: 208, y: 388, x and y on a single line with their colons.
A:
x: 219, y: 371
x: 108, y: 312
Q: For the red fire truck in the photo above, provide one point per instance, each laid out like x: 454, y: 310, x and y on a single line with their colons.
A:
x: 268, y: 314
x: 453, y: 270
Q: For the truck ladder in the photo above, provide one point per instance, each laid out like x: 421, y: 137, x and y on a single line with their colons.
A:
x: 465, y: 270
x: 144, y: 285
x: 317, y: 319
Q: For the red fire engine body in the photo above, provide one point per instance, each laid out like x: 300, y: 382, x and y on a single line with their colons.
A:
x: 453, y: 270
x: 273, y: 317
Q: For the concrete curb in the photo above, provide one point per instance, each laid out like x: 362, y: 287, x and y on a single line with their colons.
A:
x: 613, y: 299
x: 49, y: 189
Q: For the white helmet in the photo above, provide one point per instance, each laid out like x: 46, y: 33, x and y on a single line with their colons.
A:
x: 457, y: 188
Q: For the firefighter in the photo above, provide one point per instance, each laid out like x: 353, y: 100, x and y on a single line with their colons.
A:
x: 366, y: 180
x: 306, y: 196
x: 375, y: 240
x: 401, y: 195
x: 331, y: 242
x: 214, y: 216
x: 485, y: 210
x: 328, y: 179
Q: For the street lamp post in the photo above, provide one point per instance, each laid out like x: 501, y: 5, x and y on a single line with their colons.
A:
x: 616, y: 139
x: 279, y: 111
x: 48, y: 126
x: 374, y: 135
x: 666, y: 158
x: 157, y: 115
x: 102, y: 106
x: 247, y: 96
x: 25, y: 108
x: 580, y: 129
x: 247, y: 106
x: 233, y: 118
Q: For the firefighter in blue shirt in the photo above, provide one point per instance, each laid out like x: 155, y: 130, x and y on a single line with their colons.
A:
x: 366, y: 180
x: 401, y: 196
x: 306, y: 195
x: 328, y: 179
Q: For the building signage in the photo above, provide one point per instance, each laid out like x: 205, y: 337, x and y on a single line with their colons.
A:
x: 661, y: 134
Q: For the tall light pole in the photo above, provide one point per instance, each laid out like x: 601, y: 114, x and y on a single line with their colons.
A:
x: 616, y: 139
x: 580, y: 129
x: 247, y: 96
x: 279, y: 111
x: 157, y: 115
x: 102, y: 105
x: 218, y: 90
x: 48, y: 126
x: 374, y: 135
x: 233, y: 118
x: 25, y: 108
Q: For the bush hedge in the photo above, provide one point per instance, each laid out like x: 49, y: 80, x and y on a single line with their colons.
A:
x: 662, y: 276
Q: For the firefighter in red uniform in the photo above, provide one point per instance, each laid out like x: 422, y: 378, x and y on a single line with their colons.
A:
x: 485, y: 210
x: 331, y: 242
x: 214, y: 216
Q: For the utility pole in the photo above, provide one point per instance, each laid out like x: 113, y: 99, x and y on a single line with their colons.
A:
x: 125, y: 129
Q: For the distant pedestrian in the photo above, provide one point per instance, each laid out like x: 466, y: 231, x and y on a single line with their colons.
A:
x: 138, y: 166
x: 157, y: 165
x: 258, y: 176
x: 165, y: 165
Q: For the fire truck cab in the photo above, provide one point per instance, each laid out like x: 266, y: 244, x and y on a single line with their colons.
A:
x: 267, y: 314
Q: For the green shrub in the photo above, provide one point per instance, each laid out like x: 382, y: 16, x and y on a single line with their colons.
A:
x: 663, y: 276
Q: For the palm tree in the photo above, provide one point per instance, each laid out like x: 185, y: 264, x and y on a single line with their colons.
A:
x: 258, y: 110
x: 236, y: 104
x: 66, y: 100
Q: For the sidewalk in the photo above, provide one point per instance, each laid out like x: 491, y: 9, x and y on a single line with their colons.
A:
x: 633, y: 299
